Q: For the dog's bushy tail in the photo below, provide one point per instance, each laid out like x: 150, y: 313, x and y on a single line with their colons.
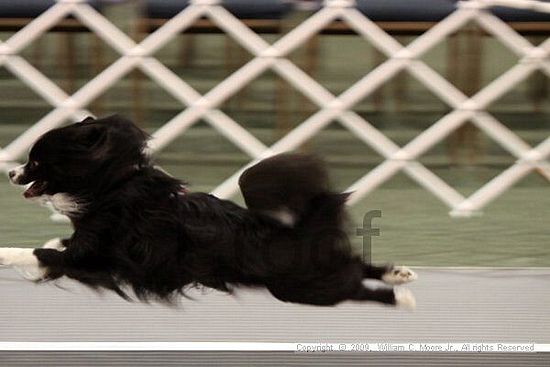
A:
x: 293, y: 189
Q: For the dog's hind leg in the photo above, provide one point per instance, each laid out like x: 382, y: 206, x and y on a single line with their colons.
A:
x: 399, y: 297
x: 374, y: 271
x: 389, y: 273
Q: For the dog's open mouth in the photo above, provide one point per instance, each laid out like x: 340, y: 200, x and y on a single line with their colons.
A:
x: 37, y: 188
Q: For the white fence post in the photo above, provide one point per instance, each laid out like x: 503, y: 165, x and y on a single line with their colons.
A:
x: 274, y: 56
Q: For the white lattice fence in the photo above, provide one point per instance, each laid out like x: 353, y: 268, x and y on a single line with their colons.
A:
x: 274, y: 56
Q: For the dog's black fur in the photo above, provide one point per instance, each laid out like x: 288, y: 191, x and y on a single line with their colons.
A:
x: 139, y: 227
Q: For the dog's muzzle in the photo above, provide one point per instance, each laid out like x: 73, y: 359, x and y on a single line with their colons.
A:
x: 17, y: 175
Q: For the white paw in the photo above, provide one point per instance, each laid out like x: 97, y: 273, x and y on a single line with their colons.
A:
x: 54, y: 243
x: 31, y: 272
x: 24, y: 261
x: 404, y: 299
x: 399, y: 275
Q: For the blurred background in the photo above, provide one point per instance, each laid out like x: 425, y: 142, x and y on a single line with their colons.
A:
x: 415, y: 227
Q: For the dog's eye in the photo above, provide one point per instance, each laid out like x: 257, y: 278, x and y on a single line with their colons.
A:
x: 33, y: 164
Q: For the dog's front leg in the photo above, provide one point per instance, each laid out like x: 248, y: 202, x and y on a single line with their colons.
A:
x: 24, y: 260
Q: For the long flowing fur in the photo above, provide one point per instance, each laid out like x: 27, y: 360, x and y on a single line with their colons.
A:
x: 141, y: 228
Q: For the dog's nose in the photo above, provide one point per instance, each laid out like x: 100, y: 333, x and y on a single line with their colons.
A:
x: 11, y: 174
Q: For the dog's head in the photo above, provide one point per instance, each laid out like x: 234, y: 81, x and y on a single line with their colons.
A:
x: 82, y: 158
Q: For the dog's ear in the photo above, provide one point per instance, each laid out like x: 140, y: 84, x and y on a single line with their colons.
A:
x: 93, y: 136
x: 125, y: 132
x: 112, y: 137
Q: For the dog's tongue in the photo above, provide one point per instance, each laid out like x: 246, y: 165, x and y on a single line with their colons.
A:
x: 36, y: 189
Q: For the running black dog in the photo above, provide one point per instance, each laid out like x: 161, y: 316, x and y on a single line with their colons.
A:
x: 137, y: 227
